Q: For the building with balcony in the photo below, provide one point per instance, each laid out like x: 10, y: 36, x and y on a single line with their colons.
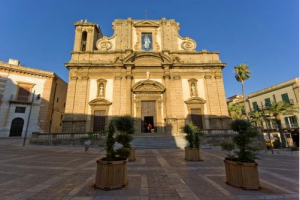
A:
x: 17, y: 86
x: 288, y: 92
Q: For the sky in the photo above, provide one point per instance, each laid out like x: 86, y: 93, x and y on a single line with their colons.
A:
x: 262, y: 33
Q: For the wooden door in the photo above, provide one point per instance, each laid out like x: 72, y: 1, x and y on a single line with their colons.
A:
x: 196, y: 118
x: 99, y: 120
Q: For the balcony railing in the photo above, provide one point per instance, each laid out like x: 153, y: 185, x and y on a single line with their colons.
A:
x: 20, y: 99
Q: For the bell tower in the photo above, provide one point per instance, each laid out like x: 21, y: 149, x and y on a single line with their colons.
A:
x: 86, y: 36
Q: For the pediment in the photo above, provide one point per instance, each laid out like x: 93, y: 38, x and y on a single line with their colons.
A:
x: 148, y: 58
x: 100, y: 102
x: 195, y: 100
x: 148, y: 87
x: 146, y: 23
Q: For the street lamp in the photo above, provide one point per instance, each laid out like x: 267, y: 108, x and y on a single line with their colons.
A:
x: 267, y: 123
x: 32, y: 99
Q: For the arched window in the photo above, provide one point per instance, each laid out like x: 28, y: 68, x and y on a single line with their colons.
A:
x: 83, y: 40
x: 16, y: 127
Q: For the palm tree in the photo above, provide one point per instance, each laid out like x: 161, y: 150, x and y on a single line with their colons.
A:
x: 235, y: 111
x: 257, y: 117
x: 241, y: 74
x: 281, y: 108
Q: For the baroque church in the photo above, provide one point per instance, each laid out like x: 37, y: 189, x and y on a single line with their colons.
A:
x: 145, y: 70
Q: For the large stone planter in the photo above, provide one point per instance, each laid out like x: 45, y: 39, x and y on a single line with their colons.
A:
x: 111, y: 174
x: 132, y: 154
x: 192, y: 154
x: 242, y: 175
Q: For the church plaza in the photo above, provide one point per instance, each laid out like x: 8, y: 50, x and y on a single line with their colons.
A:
x: 44, y: 172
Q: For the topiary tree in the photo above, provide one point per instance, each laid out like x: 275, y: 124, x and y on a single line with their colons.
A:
x: 125, y: 128
x: 110, y: 142
x: 192, y: 135
x: 240, y: 148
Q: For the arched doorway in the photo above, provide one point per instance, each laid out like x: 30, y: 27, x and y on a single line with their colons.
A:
x: 16, y: 127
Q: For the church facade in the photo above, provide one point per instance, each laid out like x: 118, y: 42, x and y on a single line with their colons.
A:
x: 145, y: 70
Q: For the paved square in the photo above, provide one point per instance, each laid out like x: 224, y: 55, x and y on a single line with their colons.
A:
x: 39, y: 172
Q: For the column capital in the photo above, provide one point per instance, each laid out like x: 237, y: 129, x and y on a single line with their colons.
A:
x: 128, y: 76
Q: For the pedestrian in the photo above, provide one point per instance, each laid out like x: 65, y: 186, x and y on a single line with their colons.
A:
x: 87, y: 145
x: 149, y: 127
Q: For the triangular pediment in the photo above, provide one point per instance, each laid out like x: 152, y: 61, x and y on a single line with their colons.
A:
x: 195, y: 100
x: 146, y: 23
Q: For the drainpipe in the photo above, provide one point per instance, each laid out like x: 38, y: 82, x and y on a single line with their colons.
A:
x: 50, y: 124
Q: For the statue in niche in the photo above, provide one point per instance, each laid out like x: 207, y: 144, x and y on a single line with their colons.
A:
x: 101, y: 90
x: 148, y: 75
x: 193, y: 90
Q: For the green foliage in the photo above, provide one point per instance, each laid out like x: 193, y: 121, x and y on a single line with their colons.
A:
x: 242, y: 149
x: 277, y: 144
x: 235, y: 111
x: 257, y: 117
x: 124, y: 124
x: 123, y: 153
x: 124, y: 139
x: 229, y: 147
x: 110, y: 141
x: 242, y: 72
x: 192, y: 135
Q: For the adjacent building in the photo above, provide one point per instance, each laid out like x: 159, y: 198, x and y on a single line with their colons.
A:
x: 18, y: 85
x: 288, y: 92
x: 145, y: 70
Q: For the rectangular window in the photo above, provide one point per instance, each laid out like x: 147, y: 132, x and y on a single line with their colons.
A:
x: 285, y: 98
x: 255, y: 106
x: 99, y: 120
x: 147, y: 42
x: 20, y: 109
x: 57, y: 100
x: 291, y: 122
x: 196, y: 118
x: 267, y: 102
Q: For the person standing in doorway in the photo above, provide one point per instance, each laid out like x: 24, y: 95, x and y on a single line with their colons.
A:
x: 149, y: 128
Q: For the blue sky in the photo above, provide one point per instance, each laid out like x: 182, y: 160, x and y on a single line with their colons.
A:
x: 264, y: 33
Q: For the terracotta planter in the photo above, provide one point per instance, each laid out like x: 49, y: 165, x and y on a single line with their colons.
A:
x: 111, y: 174
x: 192, y: 154
x: 243, y: 175
x: 132, y: 154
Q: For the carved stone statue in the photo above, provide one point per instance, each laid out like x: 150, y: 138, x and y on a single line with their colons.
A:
x: 193, y: 90
x: 148, y: 75
x: 101, y: 90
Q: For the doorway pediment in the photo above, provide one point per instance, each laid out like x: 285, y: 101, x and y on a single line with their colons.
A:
x: 195, y: 100
x: 148, y: 87
x: 100, y: 102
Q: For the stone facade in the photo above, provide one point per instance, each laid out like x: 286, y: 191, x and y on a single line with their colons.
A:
x: 17, y: 84
x: 146, y: 70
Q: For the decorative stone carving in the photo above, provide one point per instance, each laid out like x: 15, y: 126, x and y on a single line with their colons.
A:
x: 148, y: 87
x: 193, y: 87
x: 101, y: 85
x: 103, y: 44
x: 195, y: 100
x: 188, y: 44
x: 100, y: 102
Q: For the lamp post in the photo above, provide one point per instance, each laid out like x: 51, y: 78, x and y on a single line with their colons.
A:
x: 268, y: 130
x: 32, y: 99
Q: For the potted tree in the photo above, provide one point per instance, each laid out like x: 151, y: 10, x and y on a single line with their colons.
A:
x: 240, y: 166
x: 112, y: 169
x: 192, y: 151
x: 125, y: 128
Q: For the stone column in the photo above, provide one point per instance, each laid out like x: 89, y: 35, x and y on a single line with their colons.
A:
x: 167, y: 101
x: 129, y: 78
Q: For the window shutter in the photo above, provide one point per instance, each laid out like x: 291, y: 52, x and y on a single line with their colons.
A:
x: 285, y: 98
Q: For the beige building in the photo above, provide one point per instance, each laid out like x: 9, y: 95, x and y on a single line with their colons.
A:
x: 287, y: 91
x: 145, y: 70
x: 17, y: 85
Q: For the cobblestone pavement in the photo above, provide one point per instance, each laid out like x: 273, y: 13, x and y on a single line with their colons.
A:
x: 39, y: 172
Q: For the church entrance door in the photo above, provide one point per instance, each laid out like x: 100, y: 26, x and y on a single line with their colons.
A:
x: 148, y: 115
